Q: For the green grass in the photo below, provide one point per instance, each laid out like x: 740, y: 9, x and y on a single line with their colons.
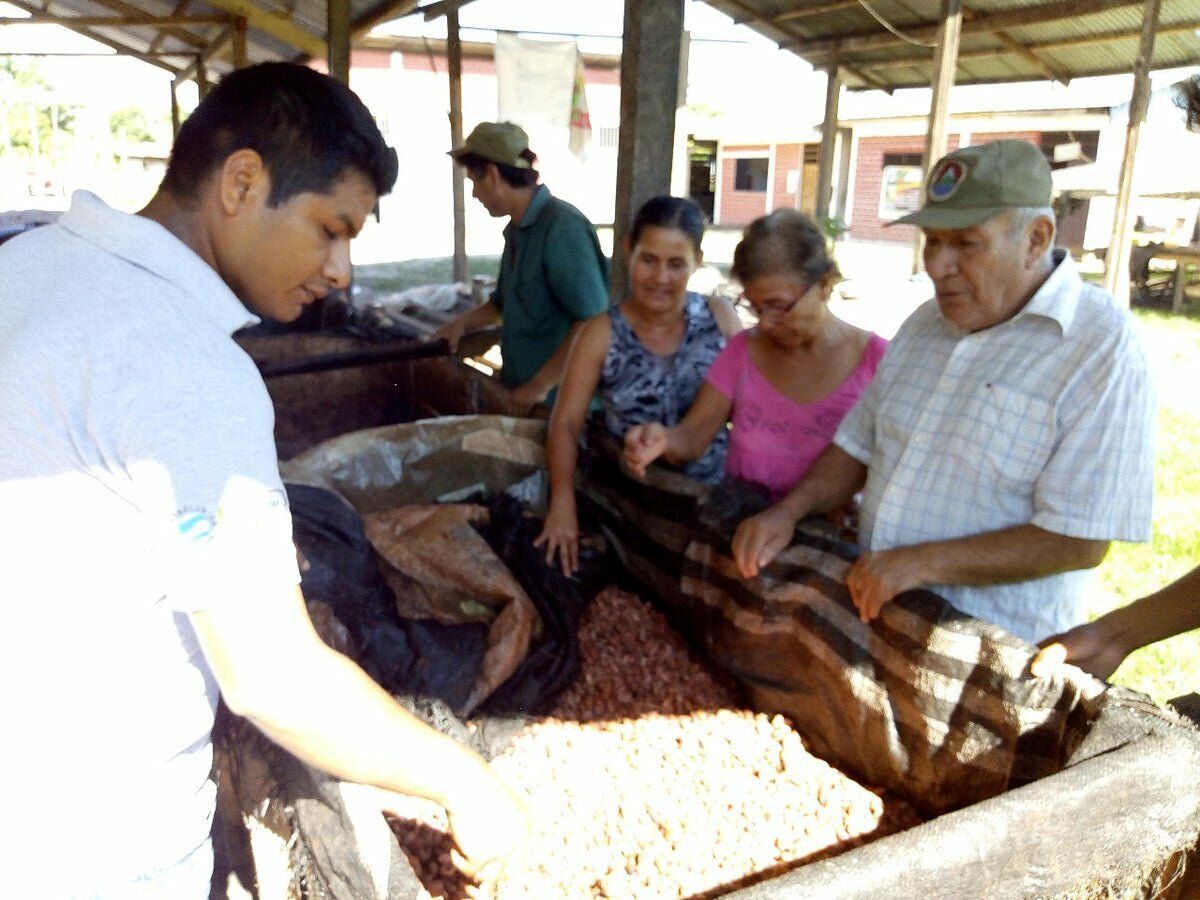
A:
x: 1168, y: 668
x: 388, y: 277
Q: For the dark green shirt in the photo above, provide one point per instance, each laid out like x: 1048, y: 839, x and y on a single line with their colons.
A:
x: 552, y: 275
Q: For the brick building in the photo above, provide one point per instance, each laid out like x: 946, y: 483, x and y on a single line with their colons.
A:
x: 877, y: 174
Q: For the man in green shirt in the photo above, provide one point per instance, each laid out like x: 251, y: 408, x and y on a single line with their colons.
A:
x: 553, y: 274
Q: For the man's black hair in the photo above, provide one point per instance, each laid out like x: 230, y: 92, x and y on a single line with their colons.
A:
x: 309, y: 129
x: 512, y: 176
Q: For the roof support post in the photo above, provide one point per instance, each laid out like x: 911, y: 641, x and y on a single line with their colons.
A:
x: 945, y: 64
x: 238, y: 39
x: 833, y: 91
x: 845, y: 147
x: 338, y: 30
x: 650, y: 54
x: 202, y: 85
x: 1116, y: 260
x: 454, y: 64
x: 175, y: 118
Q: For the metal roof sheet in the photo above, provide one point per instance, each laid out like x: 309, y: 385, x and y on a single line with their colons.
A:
x: 275, y: 29
x: 1002, y: 40
x: 1034, y: 39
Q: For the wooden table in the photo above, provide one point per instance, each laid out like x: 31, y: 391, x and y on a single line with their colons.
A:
x: 1181, y: 256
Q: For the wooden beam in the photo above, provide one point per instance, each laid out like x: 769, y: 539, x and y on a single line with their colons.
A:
x: 651, y: 49
x: 1010, y: 43
x: 237, y: 42
x: 945, y: 64
x: 454, y: 66
x: 183, y: 34
x: 833, y: 92
x: 337, y: 37
x: 279, y: 27
x: 176, y: 119
x: 180, y: 8
x: 904, y: 62
x: 202, y: 85
x: 121, y: 48
x: 1116, y: 260
x: 196, y: 69
x: 814, y: 9
x: 114, y: 21
x: 928, y: 31
x: 188, y: 37
x: 441, y: 8
x: 868, y: 79
x: 385, y: 12
x: 795, y: 38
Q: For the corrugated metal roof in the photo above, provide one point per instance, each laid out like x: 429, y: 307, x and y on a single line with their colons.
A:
x: 1002, y: 40
x: 275, y: 29
x: 1034, y: 39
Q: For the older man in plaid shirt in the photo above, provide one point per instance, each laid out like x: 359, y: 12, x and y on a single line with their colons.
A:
x: 1008, y: 435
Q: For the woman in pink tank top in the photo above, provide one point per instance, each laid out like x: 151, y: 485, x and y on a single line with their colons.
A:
x: 784, y: 385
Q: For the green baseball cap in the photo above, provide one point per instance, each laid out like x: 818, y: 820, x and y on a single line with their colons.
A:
x: 969, y: 186
x: 498, y: 142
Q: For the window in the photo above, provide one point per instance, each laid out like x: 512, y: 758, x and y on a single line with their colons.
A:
x: 901, y: 159
x: 750, y: 174
x: 900, y: 191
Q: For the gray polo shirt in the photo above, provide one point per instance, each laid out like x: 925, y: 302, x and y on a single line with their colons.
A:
x: 138, y: 482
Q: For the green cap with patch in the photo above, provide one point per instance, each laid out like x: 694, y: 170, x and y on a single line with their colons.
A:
x: 498, y: 142
x: 973, y: 184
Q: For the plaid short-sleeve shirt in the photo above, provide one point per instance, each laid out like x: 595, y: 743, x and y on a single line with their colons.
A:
x: 1045, y: 419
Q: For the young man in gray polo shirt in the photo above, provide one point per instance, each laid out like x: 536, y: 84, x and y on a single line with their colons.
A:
x: 148, y: 559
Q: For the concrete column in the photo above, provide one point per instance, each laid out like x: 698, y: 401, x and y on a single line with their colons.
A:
x: 650, y: 62
x: 338, y: 44
x: 1116, y: 261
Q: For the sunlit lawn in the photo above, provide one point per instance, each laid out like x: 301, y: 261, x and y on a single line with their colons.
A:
x: 1171, y: 667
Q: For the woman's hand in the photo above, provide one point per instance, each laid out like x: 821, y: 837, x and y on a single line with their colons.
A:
x: 560, y: 534
x: 759, y: 539
x: 643, y: 445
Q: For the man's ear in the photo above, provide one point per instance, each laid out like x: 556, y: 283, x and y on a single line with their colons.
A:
x: 1039, y: 241
x: 242, y: 182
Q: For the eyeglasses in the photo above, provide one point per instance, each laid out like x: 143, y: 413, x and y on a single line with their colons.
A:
x: 776, y: 312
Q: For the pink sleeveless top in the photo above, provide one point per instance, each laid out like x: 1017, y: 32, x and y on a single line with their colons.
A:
x: 774, y: 439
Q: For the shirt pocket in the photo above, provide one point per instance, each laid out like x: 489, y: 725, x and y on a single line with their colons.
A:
x: 1007, y: 434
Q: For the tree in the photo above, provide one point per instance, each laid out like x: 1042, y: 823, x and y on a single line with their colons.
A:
x: 132, y: 124
x: 32, y: 124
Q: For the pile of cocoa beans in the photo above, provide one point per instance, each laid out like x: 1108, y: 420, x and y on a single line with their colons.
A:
x: 648, y: 781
